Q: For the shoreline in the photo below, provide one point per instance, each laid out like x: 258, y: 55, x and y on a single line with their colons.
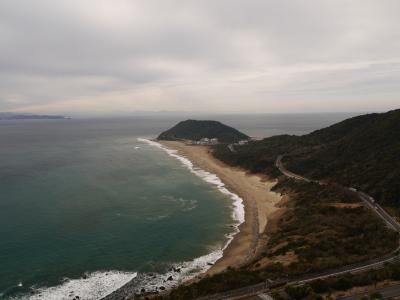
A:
x: 259, y: 202
x: 253, y: 204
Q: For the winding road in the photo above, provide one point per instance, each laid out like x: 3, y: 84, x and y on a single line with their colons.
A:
x: 368, y: 200
x: 260, y: 291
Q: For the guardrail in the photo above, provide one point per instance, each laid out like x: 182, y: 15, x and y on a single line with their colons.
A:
x: 248, y: 290
x: 377, y: 263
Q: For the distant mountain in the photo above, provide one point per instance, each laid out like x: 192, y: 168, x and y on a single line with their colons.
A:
x: 362, y: 152
x: 196, y: 130
x: 14, y: 116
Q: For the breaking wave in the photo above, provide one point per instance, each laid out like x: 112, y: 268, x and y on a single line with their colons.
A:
x: 116, y: 284
x: 238, y: 212
x: 92, y: 286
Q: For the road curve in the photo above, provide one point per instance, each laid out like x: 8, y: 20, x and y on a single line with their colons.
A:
x: 259, y: 290
x: 367, y: 199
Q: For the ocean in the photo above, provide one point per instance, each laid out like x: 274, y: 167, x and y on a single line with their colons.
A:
x: 87, y: 205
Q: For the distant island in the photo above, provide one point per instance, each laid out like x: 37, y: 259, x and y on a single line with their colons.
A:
x: 14, y: 116
x: 196, y: 130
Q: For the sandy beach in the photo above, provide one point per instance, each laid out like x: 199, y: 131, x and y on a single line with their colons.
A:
x: 260, y: 202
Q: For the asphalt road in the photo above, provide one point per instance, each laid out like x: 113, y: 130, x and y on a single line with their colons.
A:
x: 367, y: 199
x: 262, y: 296
x: 387, y: 292
x: 374, y: 264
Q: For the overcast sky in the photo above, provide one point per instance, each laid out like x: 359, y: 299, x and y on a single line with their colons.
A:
x: 113, y: 56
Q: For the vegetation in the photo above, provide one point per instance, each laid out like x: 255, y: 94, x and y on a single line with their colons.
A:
x: 228, y: 280
x: 313, y: 290
x: 196, y: 130
x: 323, y: 226
x: 361, y: 152
x: 343, y: 283
x: 326, y: 227
x: 258, y: 156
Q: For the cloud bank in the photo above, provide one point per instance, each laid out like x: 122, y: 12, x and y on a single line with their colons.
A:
x: 102, y: 56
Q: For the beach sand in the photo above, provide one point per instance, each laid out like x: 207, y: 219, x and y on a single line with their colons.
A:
x: 260, y: 202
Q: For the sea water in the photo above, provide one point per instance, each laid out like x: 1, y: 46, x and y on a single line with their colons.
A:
x: 87, y: 205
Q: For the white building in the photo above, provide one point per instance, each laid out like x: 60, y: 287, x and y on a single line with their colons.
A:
x: 206, y: 141
x: 214, y: 141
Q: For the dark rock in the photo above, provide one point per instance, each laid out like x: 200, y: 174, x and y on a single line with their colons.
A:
x: 170, y: 278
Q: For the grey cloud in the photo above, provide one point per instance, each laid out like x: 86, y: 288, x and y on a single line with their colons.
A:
x: 196, y: 54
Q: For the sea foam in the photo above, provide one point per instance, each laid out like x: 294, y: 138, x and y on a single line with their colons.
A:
x: 99, y: 285
x: 238, y: 212
x: 94, y: 286
x: 177, y: 273
x: 203, y: 263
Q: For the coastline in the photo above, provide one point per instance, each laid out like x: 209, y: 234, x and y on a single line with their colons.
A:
x: 252, y: 202
x: 260, y: 203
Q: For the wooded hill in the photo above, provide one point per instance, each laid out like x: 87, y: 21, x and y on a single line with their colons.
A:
x: 362, y: 152
x: 196, y: 130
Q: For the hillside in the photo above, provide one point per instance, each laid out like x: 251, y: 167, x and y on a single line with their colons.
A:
x: 317, y: 227
x: 361, y: 152
x: 195, y: 130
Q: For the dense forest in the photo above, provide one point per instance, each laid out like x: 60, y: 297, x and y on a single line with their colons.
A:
x: 362, y: 152
x: 197, y: 129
